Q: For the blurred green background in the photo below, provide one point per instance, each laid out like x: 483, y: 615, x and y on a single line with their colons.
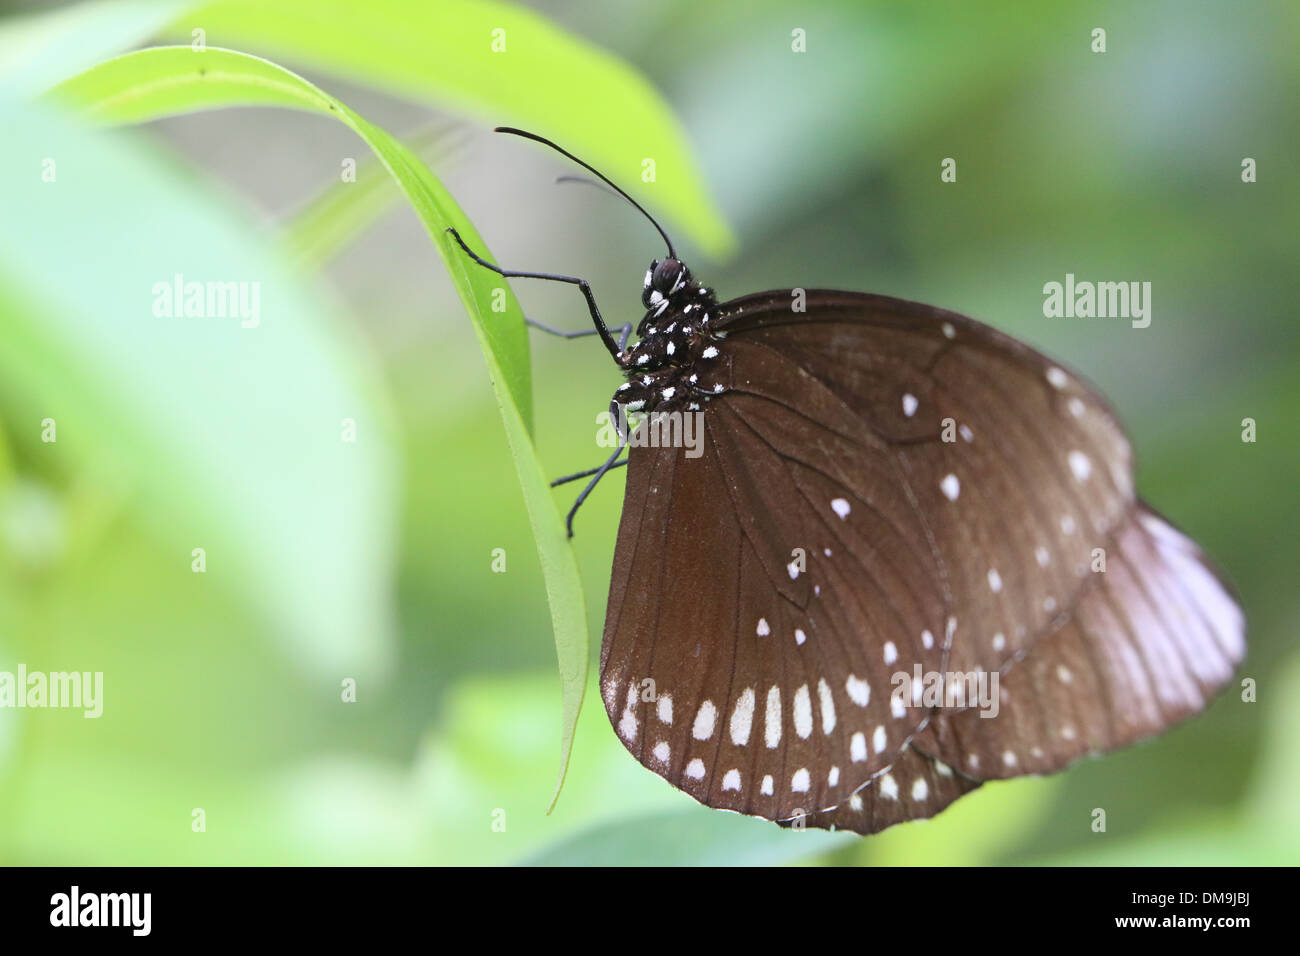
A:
x: 329, y: 560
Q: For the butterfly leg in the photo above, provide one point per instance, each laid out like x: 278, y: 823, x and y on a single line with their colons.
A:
x: 624, y: 332
x: 583, y: 285
x: 585, y: 474
x: 599, y: 473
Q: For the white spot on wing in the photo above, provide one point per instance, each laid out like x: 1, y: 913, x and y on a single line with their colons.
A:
x: 889, y: 787
x: 742, y: 717
x: 731, y: 780
x: 762, y: 630
x: 627, y: 725
x: 695, y: 769
x: 890, y: 652
x: 909, y: 404
x: 772, y: 721
x: 766, y: 787
x: 995, y: 580
x: 1080, y: 465
x: 1057, y: 377
x: 665, y: 708
x: 859, y: 690
x: 705, y: 718
x: 662, y: 751
x: 920, y: 790
x: 858, y: 747
x: 801, y: 781
x: 841, y: 507
x: 828, y: 706
x: 950, y: 487
x: 803, y: 718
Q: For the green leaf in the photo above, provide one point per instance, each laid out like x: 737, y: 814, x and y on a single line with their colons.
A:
x: 215, y: 434
x: 342, y: 212
x: 169, y: 80
x: 40, y: 49
x: 443, y: 53
x: 690, y: 838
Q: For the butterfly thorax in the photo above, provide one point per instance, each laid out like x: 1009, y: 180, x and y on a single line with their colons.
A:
x: 677, y: 365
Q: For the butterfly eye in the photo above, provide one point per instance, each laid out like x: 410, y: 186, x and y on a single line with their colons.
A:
x: 668, y: 276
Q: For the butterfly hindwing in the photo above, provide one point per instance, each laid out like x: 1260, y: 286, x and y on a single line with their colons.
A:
x: 1150, y: 643
x: 916, y: 787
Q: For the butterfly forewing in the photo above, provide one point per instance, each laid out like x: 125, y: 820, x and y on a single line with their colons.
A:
x: 779, y: 700
x: 1013, y: 467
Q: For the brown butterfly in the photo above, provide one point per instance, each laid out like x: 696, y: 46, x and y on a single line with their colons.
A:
x: 906, y: 557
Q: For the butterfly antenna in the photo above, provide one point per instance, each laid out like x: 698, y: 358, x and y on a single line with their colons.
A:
x: 587, y: 181
x: 591, y: 169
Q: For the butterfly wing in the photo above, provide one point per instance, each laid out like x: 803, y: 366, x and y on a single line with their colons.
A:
x: 1150, y: 643
x: 748, y: 678
x: 917, y: 786
x: 1013, y: 467
x: 945, y: 486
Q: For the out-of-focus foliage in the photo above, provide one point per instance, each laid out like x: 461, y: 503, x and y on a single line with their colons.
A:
x: 1122, y: 165
x: 167, y: 81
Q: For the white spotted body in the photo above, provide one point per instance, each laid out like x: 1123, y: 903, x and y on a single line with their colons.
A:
x: 676, y: 364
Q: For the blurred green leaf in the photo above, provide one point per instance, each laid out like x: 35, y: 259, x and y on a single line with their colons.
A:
x: 40, y: 49
x: 343, y: 211
x: 544, y: 79
x: 168, y: 80
x: 971, y: 832
x: 222, y: 435
x: 690, y: 838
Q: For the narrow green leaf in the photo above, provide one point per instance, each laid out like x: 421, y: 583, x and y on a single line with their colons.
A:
x: 166, y: 81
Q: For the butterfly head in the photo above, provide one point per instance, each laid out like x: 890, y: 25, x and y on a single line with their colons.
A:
x: 664, y: 279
